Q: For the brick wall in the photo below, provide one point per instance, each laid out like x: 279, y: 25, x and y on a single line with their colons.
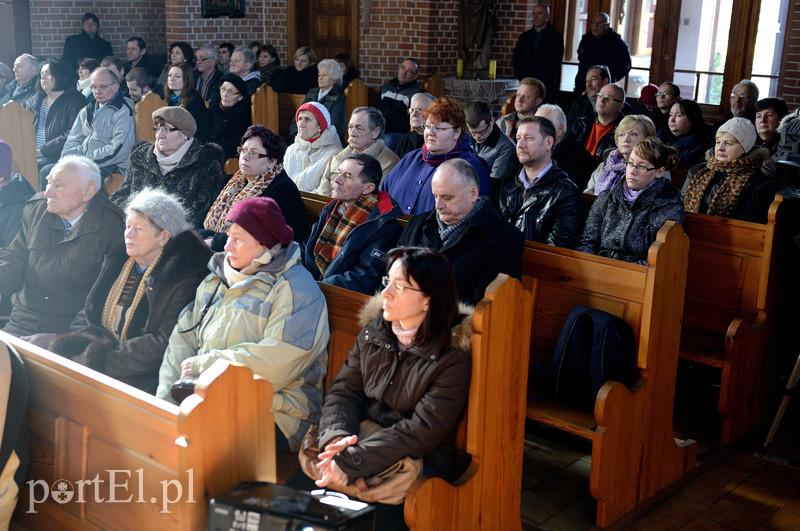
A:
x: 513, y: 17
x: 789, y: 87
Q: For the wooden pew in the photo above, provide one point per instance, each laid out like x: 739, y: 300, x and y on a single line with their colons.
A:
x: 16, y: 128
x: 487, y: 496
x: 275, y: 109
x: 83, y: 423
x: 434, y: 85
x: 357, y: 95
x: 634, y: 453
x: 728, y: 315
x: 143, y: 116
x: 508, y: 106
x: 231, y: 166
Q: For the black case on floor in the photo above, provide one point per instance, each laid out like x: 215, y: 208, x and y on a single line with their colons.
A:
x: 260, y: 506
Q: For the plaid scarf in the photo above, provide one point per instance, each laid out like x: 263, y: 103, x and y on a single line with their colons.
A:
x: 338, y: 226
x: 448, y: 232
x: 737, y: 174
x: 238, y: 189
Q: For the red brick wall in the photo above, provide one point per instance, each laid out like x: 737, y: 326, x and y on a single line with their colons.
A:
x: 53, y: 20
x: 789, y: 87
x: 513, y: 17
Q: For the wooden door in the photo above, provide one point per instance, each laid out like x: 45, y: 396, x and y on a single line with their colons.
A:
x: 327, y: 26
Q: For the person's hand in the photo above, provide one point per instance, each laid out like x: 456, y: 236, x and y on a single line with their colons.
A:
x: 336, y: 446
x: 330, y: 473
x: 186, y: 368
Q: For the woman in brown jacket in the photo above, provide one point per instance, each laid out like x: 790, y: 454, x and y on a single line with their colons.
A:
x: 401, y: 394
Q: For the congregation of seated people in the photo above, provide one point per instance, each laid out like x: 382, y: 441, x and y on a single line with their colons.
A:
x: 427, y: 199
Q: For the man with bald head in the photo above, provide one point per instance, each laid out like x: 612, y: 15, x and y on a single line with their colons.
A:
x: 602, y: 46
x: 26, y: 80
x: 465, y: 227
x: 539, y: 52
x: 53, y: 261
x: 104, y: 129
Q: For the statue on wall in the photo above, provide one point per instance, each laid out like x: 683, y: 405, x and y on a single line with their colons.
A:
x: 477, y: 23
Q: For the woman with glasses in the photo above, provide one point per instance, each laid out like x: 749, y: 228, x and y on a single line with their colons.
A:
x: 446, y: 137
x: 231, y: 115
x: 630, y: 131
x: 394, y: 407
x: 624, y: 219
x: 261, y: 308
x: 177, y: 162
x: 260, y: 174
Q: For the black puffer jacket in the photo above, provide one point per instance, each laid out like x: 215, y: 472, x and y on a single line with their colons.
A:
x: 60, y: 118
x: 195, y: 180
x: 418, y: 396
x: 13, y: 197
x: 229, y: 124
x: 618, y: 230
x: 170, y: 287
x: 550, y: 211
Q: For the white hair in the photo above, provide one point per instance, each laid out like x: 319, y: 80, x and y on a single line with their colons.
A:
x: 87, y: 170
x: 555, y: 114
x: 334, y: 69
x: 212, y: 51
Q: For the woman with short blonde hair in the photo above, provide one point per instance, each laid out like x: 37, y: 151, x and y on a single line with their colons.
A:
x: 631, y: 131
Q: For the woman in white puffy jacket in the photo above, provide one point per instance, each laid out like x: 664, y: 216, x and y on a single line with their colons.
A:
x: 317, y: 141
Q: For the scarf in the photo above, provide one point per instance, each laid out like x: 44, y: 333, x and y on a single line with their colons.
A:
x: 613, y: 170
x: 232, y: 275
x: 238, y: 189
x: 736, y: 175
x: 405, y: 336
x: 451, y: 232
x: 462, y: 147
x: 112, y: 311
x: 338, y: 226
x: 167, y: 163
x: 630, y: 196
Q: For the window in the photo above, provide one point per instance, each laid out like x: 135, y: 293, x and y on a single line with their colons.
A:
x: 577, y: 26
x: 634, y: 21
x: 769, y: 43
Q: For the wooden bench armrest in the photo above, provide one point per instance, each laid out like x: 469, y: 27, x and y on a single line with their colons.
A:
x: 433, y: 503
x: 737, y: 333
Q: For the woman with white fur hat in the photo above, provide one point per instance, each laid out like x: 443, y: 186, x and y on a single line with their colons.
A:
x: 725, y: 185
x: 317, y: 141
x: 133, y: 306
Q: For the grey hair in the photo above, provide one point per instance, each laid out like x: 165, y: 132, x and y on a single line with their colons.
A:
x: 162, y: 209
x: 247, y: 53
x: 87, y: 170
x: 376, y: 118
x: 555, y: 114
x: 212, y: 51
x: 31, y: 59
x: 427, y: 95
x: 334, y: 69
x: 751, y: 87
x: 463, y: 168
x: 107, y: 71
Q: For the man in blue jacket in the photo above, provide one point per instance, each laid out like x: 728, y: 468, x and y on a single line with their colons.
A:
x: 349, y: 241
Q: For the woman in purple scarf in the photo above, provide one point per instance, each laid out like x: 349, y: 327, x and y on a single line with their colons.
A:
x: 630, y: 131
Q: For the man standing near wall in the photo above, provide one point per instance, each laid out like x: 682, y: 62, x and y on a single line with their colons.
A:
x: 539, y: 52
x: 602, y: 46
x: 87, y: 43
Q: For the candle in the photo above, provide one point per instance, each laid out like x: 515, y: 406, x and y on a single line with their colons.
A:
x: 459, y: 68
x: 492, y: 68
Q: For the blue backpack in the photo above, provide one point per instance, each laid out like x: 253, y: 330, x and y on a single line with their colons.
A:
x: 593, y: 348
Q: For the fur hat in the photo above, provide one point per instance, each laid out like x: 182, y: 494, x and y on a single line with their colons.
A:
x: 742, y: 130
x: 177, y: 117
x: 319, y: 111
x: 647, y: 96
x: 262, y: 218
x: 163, y: 210
x: 5, y: 160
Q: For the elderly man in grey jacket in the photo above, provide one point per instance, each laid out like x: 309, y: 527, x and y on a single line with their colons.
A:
x: 104, y: 129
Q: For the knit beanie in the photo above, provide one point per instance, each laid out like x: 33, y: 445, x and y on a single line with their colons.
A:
x: 5, y: 160
x: 319, y: 111
x: 648, y: 94
x: 742, y: 129
x: 262, y: 218
x: 164, y: 210
x: 177, y: 117
x: 237, y: 82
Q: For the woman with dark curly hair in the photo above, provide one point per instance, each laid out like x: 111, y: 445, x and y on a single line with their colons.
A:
x: 179, y: 52
x: 260, y: 174
x: 269, y: 61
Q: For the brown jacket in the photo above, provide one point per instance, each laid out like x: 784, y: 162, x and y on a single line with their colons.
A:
x: 418, y: 396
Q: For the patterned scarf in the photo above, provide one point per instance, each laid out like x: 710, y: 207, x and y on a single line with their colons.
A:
x: 112, y: 308
x: 238, y: 189
x: 736, y: 175
x: 338, y: 227
x: 449, y: 232
x: 613, y: 169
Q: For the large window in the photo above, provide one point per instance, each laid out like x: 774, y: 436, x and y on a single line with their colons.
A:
x: 769, y: 43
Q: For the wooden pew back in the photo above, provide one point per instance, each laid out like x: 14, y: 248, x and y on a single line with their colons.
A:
x: 357, y: 95
x: 143, y: 116
x: 16, y: 128
x: 263, y: 107
x: 434, y: 85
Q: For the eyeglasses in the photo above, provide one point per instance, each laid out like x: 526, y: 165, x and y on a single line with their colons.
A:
x: 606, y: 97
x: 661, y: 94
x: 735, y: 96
x: 398, y: 288
x: 436, y: 128
x: 415, y: 110
x: 103, y: 87
x: 480, y: 132
x: 164, y: 128
x: 232, y: 92
x: 639, y: 167
x: 250, y: 153
x: 202, y: 59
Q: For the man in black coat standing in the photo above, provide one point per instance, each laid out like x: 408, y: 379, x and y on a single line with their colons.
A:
x: 465, y: 227
x: 602, y: 46
x: 539, y: 53
x: 87, y: 43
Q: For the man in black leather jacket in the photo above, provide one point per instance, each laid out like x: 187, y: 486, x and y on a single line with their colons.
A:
x: 541, y: 200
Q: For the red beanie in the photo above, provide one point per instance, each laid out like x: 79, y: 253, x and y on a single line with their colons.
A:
x: 647, y: 96
x: 319, y: 111
x: 262, y: 218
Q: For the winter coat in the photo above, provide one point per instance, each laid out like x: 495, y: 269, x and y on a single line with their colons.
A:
x: 550, y: 211
x: 408, y: 143
x: 170, y: 287
x: 499, y: 152
x: 195, y: 180
x: 81, y: 45
x: 335, y: 102
x: 229, y: 124
x: 489, y: 245
x: 13, y: 197
x: 508, y: 124
x: 417, y: 395
x: 691, y: 149
x: 378, y: 151
x: 609, y: 50
x: 253, y: 81
x: 580, y: 117
x: 574, y: 160
x: 361, y: 261
x: 539, y: 55
x: 202, y: 117
x: 21, y: 94
x: 394, y: 100
x: 50, y: 275
x: 625, y: 231
x: 409, y: 182
x: 209, y: 90
x: 291, y: 80
x: 275, y: 321
x: 60, y: 117
x: 305, y: 161
x: 105, y: 133
x: 607, y: 141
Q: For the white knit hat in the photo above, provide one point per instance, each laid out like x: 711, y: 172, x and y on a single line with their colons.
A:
x: 164, y: 210
x: 742, y: 129
x: 319, y: 111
